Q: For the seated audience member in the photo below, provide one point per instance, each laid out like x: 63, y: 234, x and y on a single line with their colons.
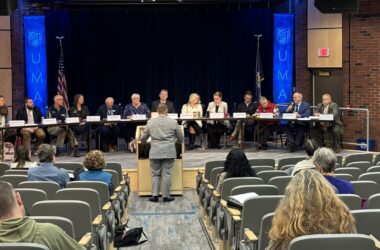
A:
x: 31, y: 115
x: 333, y: 129
x: 9, y: 134
x: 164, y: 94
x: 22, y: 158
x: 310, y: 206
x: 310, y: 146
x: 236, y: 165
x: 45, y: 170
x: 264, y: 128
x: 249, y: 107
x: 215, y: 129
x: 295, y: 130
x: 80, y: 110
x: 325, y: 160
x: 136, y: 107
x: 15, y: 227
x: 108, y: 131
x: 194, y: 128
x: 94, y: 162
x: 59, y: 112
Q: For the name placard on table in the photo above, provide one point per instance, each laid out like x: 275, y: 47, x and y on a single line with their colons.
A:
x: 239, y: 115
x: 93, y: 118
x: 48, y: 121
x: 173, y: 115
x: 186, y: 116
x: 327, y: 117
x: 289, y: 116
x: 266, y: 115
x: 217, y: 115
x: 72, y: 120
x: 16, y: 123
x: 112, y: 118
x: 138, y: 117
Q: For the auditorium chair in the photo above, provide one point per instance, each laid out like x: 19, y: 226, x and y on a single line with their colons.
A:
x: 367, y: 221
x: 22, y: 246
x: 250, y: 217
x: 358, y: 157
x: 365, y: 188
x: 3, y: 167
x: 263, y: 189
x: 374, y: 201
x: 14, y: 179
x: 91, y: 197
x: 376, y: 160
x: 262, y: 162
x: 71, y: 166
x: 124, y: 180
x: 203, y: 177
x: 118, y: 190
x: 352, y: 201
x: 252, y: 242
x: 344, y: 176
x: 281, y: 182
x: 65, y: 224
x: 362, y: 165
x: 29, y: 196
x: 258, y: 169
x: 78, y: 212
x: 208, y: 192
x: 373, y: 169
x: 332, y: 241
x: 370, y: 177
x: 289, y: 161
x: 268, y: 174
x: 339, y: 159
x: 355, y: 172
x: 283, y: 168
x: 16, y: 172
x: 48, y: 186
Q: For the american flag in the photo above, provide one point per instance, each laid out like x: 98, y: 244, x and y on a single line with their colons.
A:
x: 62, y: 86
x: 259, y: 69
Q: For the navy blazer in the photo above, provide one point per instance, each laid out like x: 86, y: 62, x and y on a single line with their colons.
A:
x: 169, y: 104
x: 102, y: 111
x: 303, y: 109
x: 22, y: 115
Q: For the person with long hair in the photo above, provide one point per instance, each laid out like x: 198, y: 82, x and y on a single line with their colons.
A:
x: 22, y: 158
x: 236, y: 165
x: 193, y: 106
x: 79, y: 109
x: 310, y: 206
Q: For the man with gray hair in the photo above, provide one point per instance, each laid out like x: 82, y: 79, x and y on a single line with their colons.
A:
x: 46, y: 171
x: 16, y: 228
x: 324, y: 161
x: 165, y: 133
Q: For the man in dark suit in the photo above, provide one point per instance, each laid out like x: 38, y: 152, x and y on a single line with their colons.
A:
x: 31, y: 115
x: 108, y: 131
x: 295, y: 130
x: 163, y: 99
x: 333, y: 129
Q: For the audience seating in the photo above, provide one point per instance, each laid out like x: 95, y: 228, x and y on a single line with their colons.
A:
x: 370, y: 177
x: 339, y: 159
x: 118, y: 190
x: 376, y: 160
x: 205, y: 203
x: 71, y: 166
x: 355, y: 172
x: 367, y: 221
x: 262, y: 162
x: 124, y: 181
x: 268, y: 174
x: 287, y: 166
x: 203, y: 177
x: 333, y: 241
x: 344, y: 176
x: 352, y: 201
x: 251, y: 242
x: 3, y: 167
x: 258, y: 169
x: 289, y: 161
x: 65, y: 224
x: 16, y: 172
x: 258, y: 189
x: 22, y: 246
x: 14, y: 179
x: 365, y: 188
x: 374, y: 201
x: 358, y: 157
x: 29, y: 196
x: 362, y: 165
x: 281, y: 182
x: 373, y: 169
x: 49, y: 187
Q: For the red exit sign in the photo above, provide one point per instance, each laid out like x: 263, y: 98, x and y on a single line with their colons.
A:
x: 324, y: 52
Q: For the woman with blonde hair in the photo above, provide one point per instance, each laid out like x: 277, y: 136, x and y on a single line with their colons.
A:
x: 310, y: 206
x: 193, y: 106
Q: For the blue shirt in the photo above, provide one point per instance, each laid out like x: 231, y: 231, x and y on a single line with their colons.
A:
x: 97, y: 175
x: 129, y: 110
x: 46, y: 171
x: 342, y: 186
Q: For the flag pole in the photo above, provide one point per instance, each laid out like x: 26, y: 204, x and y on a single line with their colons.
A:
x: 62, y: 86
x: 258, y: 76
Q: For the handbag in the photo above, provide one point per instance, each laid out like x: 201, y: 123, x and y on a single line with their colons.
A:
x: 125, y: 236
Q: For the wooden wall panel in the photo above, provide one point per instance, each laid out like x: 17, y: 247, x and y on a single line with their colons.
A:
x: 325, y: 38
x: 5, y: 49
x: 5, y: 23
x: 6, y: 86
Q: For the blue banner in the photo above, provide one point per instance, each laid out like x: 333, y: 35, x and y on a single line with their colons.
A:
x: 35, y: 56
x: 283, y: 58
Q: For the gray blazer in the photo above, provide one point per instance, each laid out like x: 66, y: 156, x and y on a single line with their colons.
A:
x: 333, y: 109
x: 164, y: 132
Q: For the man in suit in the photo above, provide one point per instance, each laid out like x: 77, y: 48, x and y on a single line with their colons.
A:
x: 108, y: 131
x: 295, y: 130
x: 31, y: 115
x: 164, y: 132
x: 59, y: 112
x: 164, y: 94
x: 333, y: 129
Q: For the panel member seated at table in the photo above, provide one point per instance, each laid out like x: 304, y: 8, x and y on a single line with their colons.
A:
x: 9, y: 134
x: 194, y: 128
x: 333, y: 129
x: 31, y: 115
x: 295, y: 130
x: 215, y: 129
x: 80, y: 110
x: 59, y: 112
x: 108, y: 131
x: 136, y: 107
x: 164, y: 94
x: 264, y: 128
x: 249, y: 107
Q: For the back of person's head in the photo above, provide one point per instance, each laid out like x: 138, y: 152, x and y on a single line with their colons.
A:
x: 162, y: 109
x: 46, y: 153
x: 310, y: 146
x: 94, y: 160
x: 325, y: 160
x: 22, y: 156
x: 310, y: 206
x: 237, y: 164
x: 8, y: 202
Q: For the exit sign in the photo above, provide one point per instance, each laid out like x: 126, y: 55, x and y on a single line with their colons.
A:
x: 324, y: 52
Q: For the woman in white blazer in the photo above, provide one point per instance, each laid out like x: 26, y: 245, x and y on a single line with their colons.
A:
x: 193, y: 106
x: 216, y: 128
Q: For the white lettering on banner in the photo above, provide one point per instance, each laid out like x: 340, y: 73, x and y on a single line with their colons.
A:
x: 282, y: 76
x: 37, y: 97
x: 283, y: 59
x: 35, y: 79
x: 39, y: 58
x: 282, y: 94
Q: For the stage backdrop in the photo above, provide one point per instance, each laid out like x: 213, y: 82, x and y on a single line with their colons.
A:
x: 184, y: 49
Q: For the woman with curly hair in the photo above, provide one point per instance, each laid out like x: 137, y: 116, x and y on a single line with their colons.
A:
x: 310, y: 206
x: 95, y: 162
x: 236, y: 165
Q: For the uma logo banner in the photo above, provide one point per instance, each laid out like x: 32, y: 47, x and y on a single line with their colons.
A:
x: 283, y: 35
x: 34, y: 38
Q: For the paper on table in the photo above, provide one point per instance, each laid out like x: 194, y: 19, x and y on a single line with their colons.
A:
x: 241, y: 198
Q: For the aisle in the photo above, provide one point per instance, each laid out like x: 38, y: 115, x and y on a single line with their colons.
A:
x: 170, y: 226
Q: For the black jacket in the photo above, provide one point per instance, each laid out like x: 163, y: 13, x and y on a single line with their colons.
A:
x: 170, y: 105
x: 73, y: 112
x: 23, y: 115
x: 102, y: 111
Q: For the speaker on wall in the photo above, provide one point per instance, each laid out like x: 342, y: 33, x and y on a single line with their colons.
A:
x: 7, y: 7
x: 337, y: 6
